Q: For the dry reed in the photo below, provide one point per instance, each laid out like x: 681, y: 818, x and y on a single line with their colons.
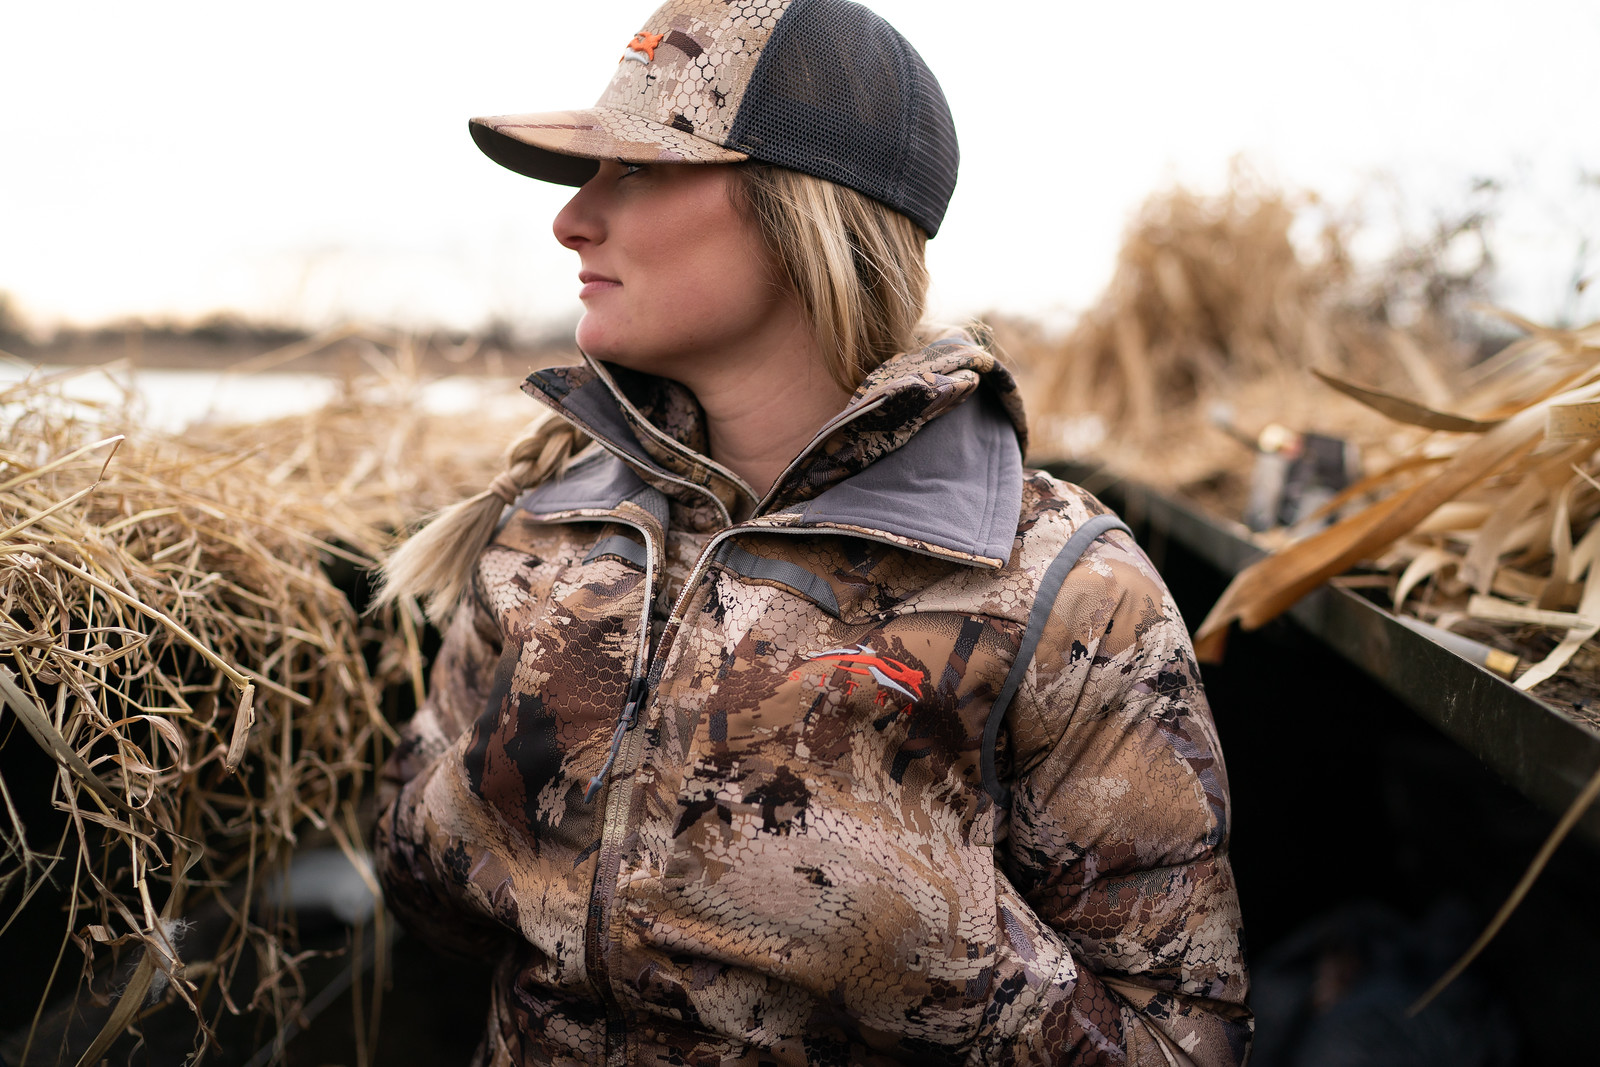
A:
x: 172, y: 641
x: 1217, y: 307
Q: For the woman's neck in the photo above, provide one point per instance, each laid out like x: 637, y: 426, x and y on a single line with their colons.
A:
x: 759, y: 418
x: 767, y: 403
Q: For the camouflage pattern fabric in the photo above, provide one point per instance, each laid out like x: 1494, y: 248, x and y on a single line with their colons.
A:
x: 791, y: 857
x: 675, y: 92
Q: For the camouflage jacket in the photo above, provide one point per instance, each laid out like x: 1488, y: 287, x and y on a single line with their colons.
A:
x: 706, y: 774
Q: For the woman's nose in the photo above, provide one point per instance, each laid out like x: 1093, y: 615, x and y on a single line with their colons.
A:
x: 579, y: 223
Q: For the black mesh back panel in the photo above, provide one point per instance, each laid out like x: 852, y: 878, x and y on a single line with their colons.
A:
x: 838, y: 94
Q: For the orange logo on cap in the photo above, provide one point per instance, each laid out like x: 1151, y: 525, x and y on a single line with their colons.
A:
x: 643, y: 44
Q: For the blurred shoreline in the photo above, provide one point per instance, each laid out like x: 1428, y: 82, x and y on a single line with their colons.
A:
x: 229, y: 342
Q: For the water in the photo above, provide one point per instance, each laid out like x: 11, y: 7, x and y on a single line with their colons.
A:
x: 170, y: 401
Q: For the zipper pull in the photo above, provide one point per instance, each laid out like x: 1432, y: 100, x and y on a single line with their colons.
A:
x: 638, y: 690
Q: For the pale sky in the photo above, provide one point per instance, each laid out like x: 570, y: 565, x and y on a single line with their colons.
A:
x: 310, y: 161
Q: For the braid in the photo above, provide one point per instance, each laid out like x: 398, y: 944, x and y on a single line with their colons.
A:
x: 435, y: 564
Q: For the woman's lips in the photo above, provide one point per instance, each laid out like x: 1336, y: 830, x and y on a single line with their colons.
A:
x: 595, y: 283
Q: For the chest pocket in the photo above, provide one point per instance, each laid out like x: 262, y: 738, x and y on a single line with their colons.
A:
x: 570, y: 631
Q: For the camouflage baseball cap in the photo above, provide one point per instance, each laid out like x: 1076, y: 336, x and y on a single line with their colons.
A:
x: 825, y: 87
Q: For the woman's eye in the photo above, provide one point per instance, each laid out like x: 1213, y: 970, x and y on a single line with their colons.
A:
x: 629, y: 169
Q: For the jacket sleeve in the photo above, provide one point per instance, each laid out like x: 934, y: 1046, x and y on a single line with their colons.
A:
x: 419, y: 799
x: 1118, y: 834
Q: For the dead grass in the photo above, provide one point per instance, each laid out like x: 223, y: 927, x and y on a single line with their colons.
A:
x: 171, y: 639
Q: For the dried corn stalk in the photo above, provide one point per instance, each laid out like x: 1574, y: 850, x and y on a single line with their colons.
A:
x: 1211, y: 319
x: 1205, y: 292
x: 1492, y: 511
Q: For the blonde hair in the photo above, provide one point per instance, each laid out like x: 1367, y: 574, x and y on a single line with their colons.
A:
x: 435, y: 564
x: 858, y: 269
x: 856, y: 265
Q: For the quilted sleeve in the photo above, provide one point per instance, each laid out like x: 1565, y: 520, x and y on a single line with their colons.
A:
x: 1116, y: 853
x: 409, y: 847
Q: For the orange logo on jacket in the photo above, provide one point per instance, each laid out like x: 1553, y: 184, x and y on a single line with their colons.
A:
x: 890, y: 674
x: 642, y: 48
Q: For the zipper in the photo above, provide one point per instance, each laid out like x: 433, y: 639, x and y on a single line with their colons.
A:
x: 844, y: 418
x: 603, y: 890
x: 638, y: 690
x: 624, y: 750
x: 674, y: 620
x: 674, y: 444
x: 602, y: 895
x: 642, y: 656
x: 633, y: 461
x: 626, y: 743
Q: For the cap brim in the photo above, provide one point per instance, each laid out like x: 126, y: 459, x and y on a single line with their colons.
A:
x: 566, y: 146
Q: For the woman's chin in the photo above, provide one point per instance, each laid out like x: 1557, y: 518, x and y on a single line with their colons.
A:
x: 596, y: 340
x: 608, y: 348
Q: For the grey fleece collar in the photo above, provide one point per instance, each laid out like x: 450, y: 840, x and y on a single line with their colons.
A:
x: 953, y: 488
x: 956, y: 485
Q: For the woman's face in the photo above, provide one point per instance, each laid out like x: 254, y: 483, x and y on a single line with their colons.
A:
x: 676, y: 281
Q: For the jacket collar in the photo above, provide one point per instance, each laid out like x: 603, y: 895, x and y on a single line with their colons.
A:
x: 652, y: 424
x: 928, y: 452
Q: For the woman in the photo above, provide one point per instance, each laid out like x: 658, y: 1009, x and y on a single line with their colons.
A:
x: 782, y: 716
